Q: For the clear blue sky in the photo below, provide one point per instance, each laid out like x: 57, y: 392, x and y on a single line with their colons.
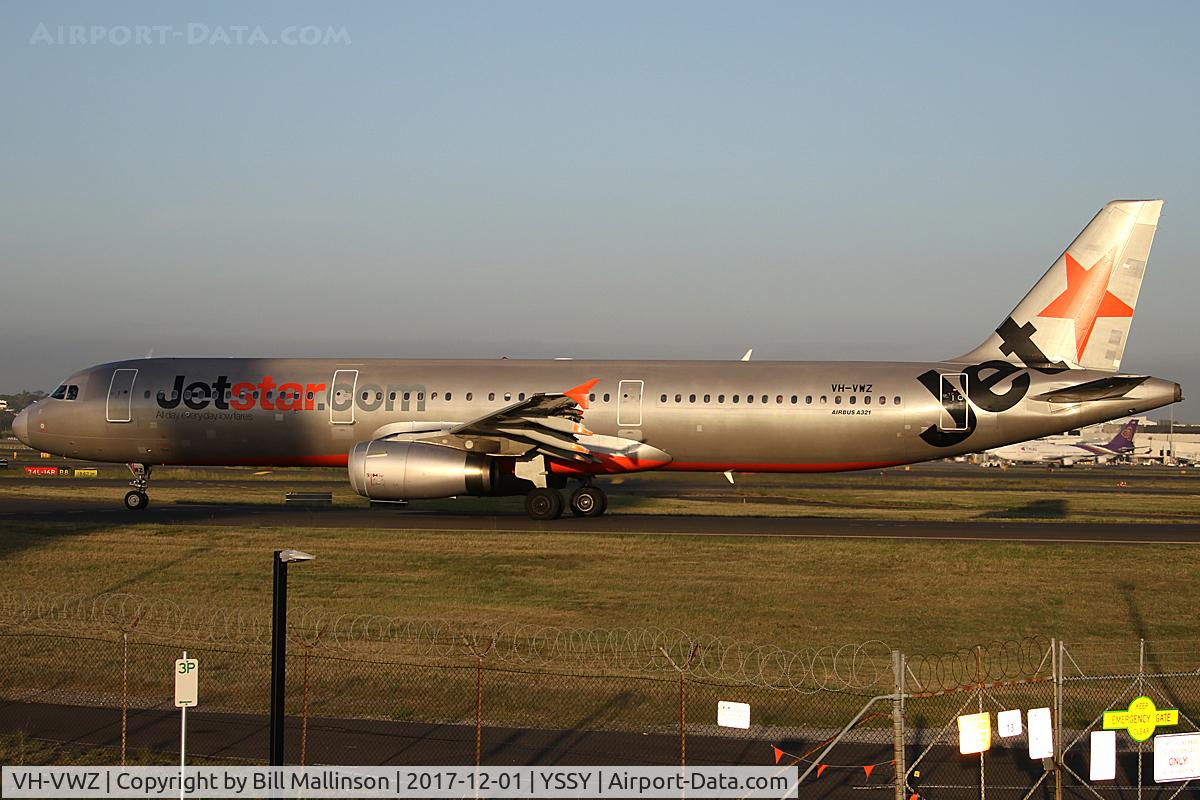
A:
x: 815, y: 180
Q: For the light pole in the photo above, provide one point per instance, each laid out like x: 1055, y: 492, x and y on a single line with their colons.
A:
x: 280, y: 562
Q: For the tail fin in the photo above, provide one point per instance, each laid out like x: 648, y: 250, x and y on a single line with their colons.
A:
x: 1123, y: 441
x: 1078, y: 315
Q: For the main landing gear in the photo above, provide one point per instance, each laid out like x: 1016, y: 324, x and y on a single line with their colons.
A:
x: 547, y: 503
x: 137, y: 499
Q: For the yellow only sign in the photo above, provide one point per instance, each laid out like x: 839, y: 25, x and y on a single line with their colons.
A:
x: 1140, y: 719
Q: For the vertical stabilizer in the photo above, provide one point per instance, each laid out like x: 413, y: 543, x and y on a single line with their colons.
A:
x: 1123, y: 441
x: 1078, y: 315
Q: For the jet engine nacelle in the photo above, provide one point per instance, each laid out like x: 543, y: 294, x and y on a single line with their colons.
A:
x: 387, y: 470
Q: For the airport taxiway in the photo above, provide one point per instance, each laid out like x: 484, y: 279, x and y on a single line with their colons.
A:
x: 102, y: 513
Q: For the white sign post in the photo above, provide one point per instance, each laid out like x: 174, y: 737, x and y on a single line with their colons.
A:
x: 1104, y: 756
x: 187, y: 682
x: 1041, y: 733
x: 1176, y: 757
x: 975, y: 733
x: 1009, y: 723
x: 733, y: 715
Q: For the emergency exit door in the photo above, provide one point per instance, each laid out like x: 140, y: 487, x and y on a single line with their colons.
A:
x: 120, y: 396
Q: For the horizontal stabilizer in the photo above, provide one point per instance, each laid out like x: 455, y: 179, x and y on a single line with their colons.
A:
x: 1103, y: 389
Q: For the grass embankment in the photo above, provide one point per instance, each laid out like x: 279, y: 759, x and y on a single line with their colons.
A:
x: 922, y: 596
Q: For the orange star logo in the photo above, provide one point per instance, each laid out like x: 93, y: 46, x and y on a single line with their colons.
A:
x: 1087, y: 298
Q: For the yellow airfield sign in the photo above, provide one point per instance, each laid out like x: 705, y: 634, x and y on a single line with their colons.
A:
x: 1140, y: 719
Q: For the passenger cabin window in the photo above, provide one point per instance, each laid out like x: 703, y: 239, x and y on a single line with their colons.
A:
x: 662, y: 399
x: 708, y: 398
x: 867, y: 400
x: 521, y: 396
x: 896, y: 400
x: 735, y: 398
x: 795, y: 399
x: 720, y: 398
x: 882, y: 400
x: 507, y: 397
x: 779, y: 398
x: 470, y: 395
x: 491, y: 395
x: 824, y: 399
x: 447, y: 397
x: 749, y: 398
x: 853, y: 399
x: 691, y: 398
x: 678, y: 398
x: 592, y: 398
x: 606, y: 396
x: 765, y: 398
x: 837, y: 399
x: 808, y: 399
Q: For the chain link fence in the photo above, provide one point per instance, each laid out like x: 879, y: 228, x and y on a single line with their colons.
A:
x: 372, y: 690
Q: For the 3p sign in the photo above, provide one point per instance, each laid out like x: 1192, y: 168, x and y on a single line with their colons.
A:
x: 187, y: 682
x: 1140, y: 719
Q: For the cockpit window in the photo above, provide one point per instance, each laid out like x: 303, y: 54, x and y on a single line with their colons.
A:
x: 60, y: 393
x: 72, y: 392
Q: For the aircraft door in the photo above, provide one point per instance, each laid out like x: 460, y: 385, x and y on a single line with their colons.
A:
x: 629, y: 404
x: 954, y: 402
x: 120, y: 396
x: 341, y: 397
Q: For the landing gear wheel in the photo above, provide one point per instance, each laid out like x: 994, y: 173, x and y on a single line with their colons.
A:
x: 588, y: 501
x: 136, y: 501
x: 544, y: 504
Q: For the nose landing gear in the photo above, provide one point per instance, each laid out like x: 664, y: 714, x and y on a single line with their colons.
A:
x: 137, y: 499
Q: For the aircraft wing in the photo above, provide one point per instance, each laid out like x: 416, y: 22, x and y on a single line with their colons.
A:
x: 552, y: 423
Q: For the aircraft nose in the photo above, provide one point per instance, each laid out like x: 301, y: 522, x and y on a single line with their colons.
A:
x: 21, y: 428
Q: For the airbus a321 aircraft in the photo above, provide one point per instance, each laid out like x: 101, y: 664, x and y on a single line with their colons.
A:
x: 410, y: 430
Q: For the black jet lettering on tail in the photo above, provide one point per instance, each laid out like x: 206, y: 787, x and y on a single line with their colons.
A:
x: 984, y: 378
x: 932, y: 380
x: 1019, y: 339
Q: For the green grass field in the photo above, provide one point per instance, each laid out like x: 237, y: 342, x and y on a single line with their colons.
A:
x: 920, y: 595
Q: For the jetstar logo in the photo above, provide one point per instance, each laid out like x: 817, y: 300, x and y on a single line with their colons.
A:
x: 1086, y: 299
x: 243, y: 395
x: 268, y: 395
x: 983, y: 384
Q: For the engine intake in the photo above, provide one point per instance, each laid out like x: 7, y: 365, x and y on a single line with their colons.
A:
x: 384, y: 470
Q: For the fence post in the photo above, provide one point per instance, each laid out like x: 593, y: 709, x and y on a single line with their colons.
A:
x: 308, y: 648
x: 124, y: 689
x: 125, y: 679
x: 479, y: 654
x: 682, y: 699
x: 1056, y: 672
x: 898, y: 725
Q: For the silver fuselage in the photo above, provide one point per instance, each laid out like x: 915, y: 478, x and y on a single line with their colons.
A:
x: 708, y: 416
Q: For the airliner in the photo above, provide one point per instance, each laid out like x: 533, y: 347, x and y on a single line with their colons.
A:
x: 1068, y: 451
x: 410, y: 430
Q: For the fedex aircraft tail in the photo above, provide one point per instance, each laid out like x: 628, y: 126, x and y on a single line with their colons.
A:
x: 1078, y: 315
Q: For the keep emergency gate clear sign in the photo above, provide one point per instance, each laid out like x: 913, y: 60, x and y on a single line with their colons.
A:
x: 187, y: 682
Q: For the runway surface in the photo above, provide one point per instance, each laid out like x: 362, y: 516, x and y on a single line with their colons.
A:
x: 111, y: 513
